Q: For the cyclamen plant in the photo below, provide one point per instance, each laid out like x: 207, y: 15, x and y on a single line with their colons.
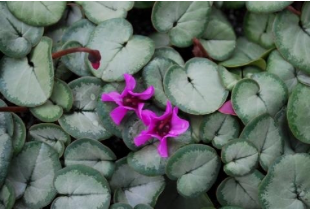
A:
x: 164, y: 105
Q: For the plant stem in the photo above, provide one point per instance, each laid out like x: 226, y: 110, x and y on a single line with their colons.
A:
x: 13, y: 109
x: 293, y: 10
x: 94, y: 53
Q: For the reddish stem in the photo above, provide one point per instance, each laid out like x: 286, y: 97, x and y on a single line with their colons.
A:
x: 293, y: 10
x: 198, y: 49
x: 13, y: 109
x: 94, y: 53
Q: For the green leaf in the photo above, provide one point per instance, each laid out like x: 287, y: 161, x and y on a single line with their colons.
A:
x: 133, y: 188
x: 82, y: 121
x: 292, y: 40
x: 160, y: 39
x: 263, y: 93
x: 258, y: 28
x: 169, y: 53
x: 19, y: 134
x: 196, y: 167
x: 123, y: 52
x: 240, y: 157
x: 120, y: 206
x: 305, y: 17
x: 228, y: 79
x: 183, y: 21
x: 267, y: 7
x: 291, y: 173
x: 247, y: 53
x: 195, y: 124
x: 280, y: 67
x: 81, y: 187
x: 50, y: 134
x: 153, y: 75
x: 17, y: 38
x: 143, y: 4
x: 298, y: 113
x: 147, y: 160
x: 32, y: 172
x: 5, y: 156
x: 218, y: 39
x: 6, y: 121
x: 60, y: 70
x: 143, y: 206
x: 33, y: 75
x: 99, y: 11
x: 39, y: 13
x: 7, y: 196
x: 170, y: 199
x: 91, y: 153
x: 195, y: 89
x: 48, y: 112
x: 264, y: 133
x: 240, y: 191
x: 77, y: 35
x: 219, y: 129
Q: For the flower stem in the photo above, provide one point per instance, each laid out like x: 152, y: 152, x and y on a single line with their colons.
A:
x: 13, y: 109
x: 94, y: 53
x: 293, y: 10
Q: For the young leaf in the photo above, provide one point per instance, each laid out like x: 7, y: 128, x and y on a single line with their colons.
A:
x: 7, y: 196
x: 19, y: 135
x: 267, y: 7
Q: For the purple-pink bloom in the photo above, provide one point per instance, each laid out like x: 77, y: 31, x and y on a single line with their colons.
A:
x: 162, y: 127
x: 127, y: 100
x: 227, y: 108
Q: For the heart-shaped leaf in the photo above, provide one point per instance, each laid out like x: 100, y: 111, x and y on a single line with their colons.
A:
x: 7, y: 196
x: 240, y: 157
x: 32, y: 172
x: 153, y: 75
x: 123, y: 52
x: 258, y: 28
x: 19, y: 134
x: 81, y: 187
x: 133, y: 188
x: 37, y: 13
x: 293, y: 40
x: 170, y: 199
x: 196, y: 167
x: 82, y: 121
x: 91, y: 153
x: 245, y: 189
x: 247, y: 53
x: 228, y: 79
x: 183, y: 21
x: 60, y: 99
x: 147, y: 160
x: 292, y: 174
x: 263, y: 93
x: 17, y: 38
x: 99, y: 11
x: 169, y: 53
x: 218, y: 39
x: 50, y: 134
x: 280, y: 67
x: 195, y: 89
x: 298, y: 113
x: 77, y: 35
x: 33, y: 75
x: 264, y: 133
x: 267, y: 7
x: 219, y: 129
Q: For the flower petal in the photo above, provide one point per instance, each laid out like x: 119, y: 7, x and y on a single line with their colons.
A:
x: 147, y: 94
x: 227, y: 108
x: 162, y: 148
x: 168, y: 111
x: 112, y: 97
x: 118, y: 114
x: 130, y: 84
x: 142, y: 138
x: 178, y: 125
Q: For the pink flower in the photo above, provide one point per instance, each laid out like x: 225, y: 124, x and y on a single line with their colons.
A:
x: 127, y: 100
x: 162, y: 127
x: 227, y: 108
